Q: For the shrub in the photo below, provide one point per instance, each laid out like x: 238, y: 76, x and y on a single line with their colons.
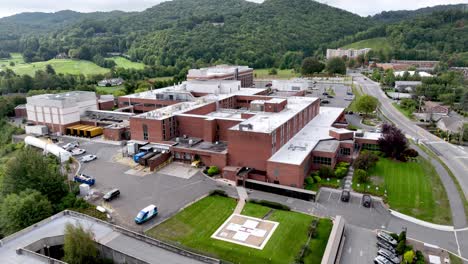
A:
x: 317, y: 179
x: 419, y: 257
x: 343, y: 164
x: 402, y: 236
x: 309, y: 180
x: 326, y: 172
x: 361, y: 176
x: 270, y: 204
x: 219, y: 193
x: 410, y: 153
x: 409, y: 256
x: 395, y: 236
x: 341, y: 172
x: 213, y: 170
x: 273, y: 71
x: 400, y: 249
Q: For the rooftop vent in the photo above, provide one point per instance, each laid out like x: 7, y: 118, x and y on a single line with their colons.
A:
x: 243, y: 126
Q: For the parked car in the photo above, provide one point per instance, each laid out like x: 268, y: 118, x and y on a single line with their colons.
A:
x: 146, y: 213
x: 385, y: 245
x: 88, y: 158
x: 381, y: 260
x: 389, y: 255
x: 70, y: 146
x: 330, y: 96
x: 345, y: 196
x: 77, y: 151
x: 387, y: 238
x: 325, y: 93
x: 325, y: 101
x: 82, y: 178
x: 366, y: 200
x: 111, y: 195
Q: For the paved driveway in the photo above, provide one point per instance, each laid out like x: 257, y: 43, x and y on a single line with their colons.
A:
x: 359, y: 246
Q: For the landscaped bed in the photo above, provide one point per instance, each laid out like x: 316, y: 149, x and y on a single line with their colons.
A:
x: 413, y: 188
x: 192, y: 228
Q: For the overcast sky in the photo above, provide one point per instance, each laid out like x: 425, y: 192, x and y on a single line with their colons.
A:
x: 361, y: 7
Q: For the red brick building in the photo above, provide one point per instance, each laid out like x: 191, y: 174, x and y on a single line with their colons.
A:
x: 223, y: 72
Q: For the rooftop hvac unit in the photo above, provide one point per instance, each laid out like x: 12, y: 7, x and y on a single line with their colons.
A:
x: 217, y: 143
x: 190, y: 142
x: 177, y: 139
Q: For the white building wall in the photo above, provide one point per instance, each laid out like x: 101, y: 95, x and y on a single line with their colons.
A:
x: 290, y: 85
x: 213, y: 87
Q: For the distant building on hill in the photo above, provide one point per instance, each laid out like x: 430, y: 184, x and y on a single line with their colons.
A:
x: 350, y: 53
x: 62, y: 56
x: 406, y: 86
x: 111, y: 82
x: 223, y: 72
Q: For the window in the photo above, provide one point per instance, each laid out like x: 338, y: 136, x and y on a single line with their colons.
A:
x: 370, y: 146
x: 145, y: 132
x: 149, y: 105
x: 345, y: 151
x: 322, y: 160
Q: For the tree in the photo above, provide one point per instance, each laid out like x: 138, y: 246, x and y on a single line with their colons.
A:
x: 376, y: 76
x: 50, y: 70
x: 23, y: 210
x: 28, y: 169
x: 409, y: 256
x: 79, y: 246
x: 311, y: 65
x: 341, y: 172
x: 367, y: 104
x: 273, y: 71
x: 361, y: 176
x: 389, y: 78
x: 366, y: 160
x: 213, y: 170
x: 393, y: 142
x: 336, y: 65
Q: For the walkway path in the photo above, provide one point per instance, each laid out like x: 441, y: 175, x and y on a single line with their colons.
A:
x: 242, y: 198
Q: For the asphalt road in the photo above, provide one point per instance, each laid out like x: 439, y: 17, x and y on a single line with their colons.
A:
x: 455, y: 157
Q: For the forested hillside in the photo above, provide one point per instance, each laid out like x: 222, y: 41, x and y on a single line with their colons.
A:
x: 396, y: 16
x: 274, y: 33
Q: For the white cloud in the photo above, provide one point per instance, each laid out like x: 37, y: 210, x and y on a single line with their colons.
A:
x: 361, y: 7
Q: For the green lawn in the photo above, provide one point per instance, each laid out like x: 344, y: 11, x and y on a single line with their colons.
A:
x: 109, y: 90
x: 373, y: 43
x: 127, y: 64
x: 60, y: 66
x: 193, y: 227
x: 160, y: 79
x: 413, y: 188
x: 282, y: 74
x: 404, y: 111
x: 357, y: 93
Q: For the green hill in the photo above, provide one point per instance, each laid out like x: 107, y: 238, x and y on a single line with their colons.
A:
x: 373, y: 43
x: 60, y: 66
x: 127, y: 64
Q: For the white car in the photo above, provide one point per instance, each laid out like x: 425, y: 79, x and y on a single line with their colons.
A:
x: 70, y: 145
x: 387, y: 238
x: 77, y: 151
x: 88, y: 158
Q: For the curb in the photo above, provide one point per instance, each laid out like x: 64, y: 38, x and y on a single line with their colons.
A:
x: 421, y: 222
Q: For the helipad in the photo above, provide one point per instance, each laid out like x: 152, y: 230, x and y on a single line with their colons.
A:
x: 246, y: 231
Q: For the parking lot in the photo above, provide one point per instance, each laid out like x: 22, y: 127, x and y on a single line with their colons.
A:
x: 359, y: 246
x: 338, y: 99
x: 169, y: 193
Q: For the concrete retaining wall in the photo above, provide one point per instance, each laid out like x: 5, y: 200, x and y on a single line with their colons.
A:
x: 334, y: 241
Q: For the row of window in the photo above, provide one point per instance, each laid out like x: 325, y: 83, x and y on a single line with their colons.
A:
x: 322, y: 160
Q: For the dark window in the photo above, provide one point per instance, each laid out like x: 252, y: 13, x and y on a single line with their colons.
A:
x: 345, y: 151
x: 322, y: 160
x: 370, y: 146
x: 145, y: 132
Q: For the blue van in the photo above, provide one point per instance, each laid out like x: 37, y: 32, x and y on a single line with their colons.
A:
x: 81, y: 178
x: 146, y: 214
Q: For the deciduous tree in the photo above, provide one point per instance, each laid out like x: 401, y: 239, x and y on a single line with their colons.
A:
x: 367, y: 104
x: 336, y: 65
x: 393, y: 142
x: 79, y: 246
x: 311, y: 65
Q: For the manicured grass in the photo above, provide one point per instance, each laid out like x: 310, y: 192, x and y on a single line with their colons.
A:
x: 60, y: 66
x: 127, y: 64
x: 404, y: 111
x: 282, y: 74
x: 357, y: 93
x: 160, y: 79
x: 333, y: 183
x: 193, y: 227
x: 109, y: 90
x: 373, y: 43
x: 413, y: 188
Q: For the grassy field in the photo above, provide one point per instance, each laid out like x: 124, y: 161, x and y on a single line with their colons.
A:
x: 357, y: 93
x: 282, y: 74
x: 15, y: 57
x: 404, y: 111
x: 373, y: 43
x: 127, y: 64
x: 109, y: 90
x: 193, y: 227
x: 60, y: 66
x: 413, y: 188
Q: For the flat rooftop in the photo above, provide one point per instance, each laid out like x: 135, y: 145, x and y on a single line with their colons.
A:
x: 217, y: 70
x: 198, y: 144
x: 103, y: 233
x: 266, y: 122
x: 227, y: 113
x: 299, y: 147
x: 327, y: 145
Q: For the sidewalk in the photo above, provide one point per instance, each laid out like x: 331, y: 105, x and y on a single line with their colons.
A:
x: 242, y: 192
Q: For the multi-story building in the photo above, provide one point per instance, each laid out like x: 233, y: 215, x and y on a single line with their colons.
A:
x: 350, y: 53
x: 58, y: 111
x: 223, y: 72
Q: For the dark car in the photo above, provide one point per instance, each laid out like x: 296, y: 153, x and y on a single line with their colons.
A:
x: 325, y: 101
x: 81, y: 178
x: 366, y: 201
x: 345, y: 196
x: 111, y: 195
x: 325, y: 93
x: 330, y: 96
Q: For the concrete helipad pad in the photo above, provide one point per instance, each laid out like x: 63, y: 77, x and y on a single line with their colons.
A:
x: 246, y: 231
